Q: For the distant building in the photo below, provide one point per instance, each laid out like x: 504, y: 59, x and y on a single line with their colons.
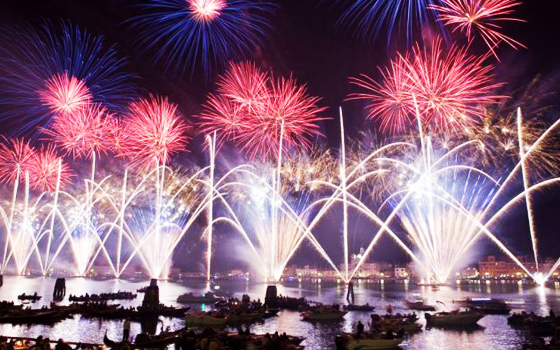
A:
x: 401, y: 272
x: 492, y: 267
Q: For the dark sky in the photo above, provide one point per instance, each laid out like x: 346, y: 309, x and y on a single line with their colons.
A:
x: 304, y: 40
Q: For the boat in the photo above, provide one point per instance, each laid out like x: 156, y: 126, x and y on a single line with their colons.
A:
x: 32, y: 297
x: 205, y: 319
x: 488, y: 306
x: 352, y: 307
x: 144, y: 341
x: 34, y: 317
x: 419, y: 305
x: 244, y: 318
x: 374, y: 344
x: 453, y: 319
x: 190, y: 298
x: 142, y: 290
x: 323, y: 314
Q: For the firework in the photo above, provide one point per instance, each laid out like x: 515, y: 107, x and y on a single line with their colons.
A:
x: 56, y: 69
x: 65, y: 94
x: 223, y: 116
x: 449, y: 89
x: 16, y: 156
x: 288, y: 114
x: 374, y: 16
x: 84, y: 133
x: 389, y: 102
x: 257, y: 111
x: 152, y: 133
x: 206, y: 10
x: 47, y: 169
x: 187, y: 33
x: 480, y: 16
x: 246, y: 85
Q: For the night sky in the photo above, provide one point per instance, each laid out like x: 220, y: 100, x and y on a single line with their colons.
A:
x: 305, y: 41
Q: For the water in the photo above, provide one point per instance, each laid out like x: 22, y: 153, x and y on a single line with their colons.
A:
x: 494, y: 332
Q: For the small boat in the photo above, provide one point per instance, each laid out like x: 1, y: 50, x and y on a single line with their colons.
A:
x: 204, y: 319
x: 190, y: 298
x: 419, y: 305
x: 353, y: 307
x: 32, y: 297
x: 244, y: 318
x: 155, y: 342
x: 323, y: 314
x: 374, y: 344
x: 453, y: 319
x: 142, y: 290
x: 34, y: 317
x: 488, y: 306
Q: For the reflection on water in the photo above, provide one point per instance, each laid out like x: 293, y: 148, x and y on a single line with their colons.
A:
x: 494, y: 332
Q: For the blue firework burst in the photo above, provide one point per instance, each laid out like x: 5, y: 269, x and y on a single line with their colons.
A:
x: 30, y: 60
x: 191, y: 34
x: 368, y: 18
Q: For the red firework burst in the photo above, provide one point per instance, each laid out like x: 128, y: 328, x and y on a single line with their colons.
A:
x: 245, y: 84
x: 84, y: 133
x: 44, y: 170
x: 390, y: 101
x: 16, y: 156
x: 449, y: 88
x: 152, y: 132
x: 252, y: 106
x: 206, y: 10
x: 289, y: 107
x: 64, y: 94
x: 479, y: 15
x: 223, y: 116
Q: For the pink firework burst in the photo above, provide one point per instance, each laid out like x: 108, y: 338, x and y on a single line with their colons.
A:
x: 84, y: 133
x: 288, y: 108
x: 152, y: 132
x: 450, y: 89
x: 389, y: 102
x: 64, y: 94
x: 16, y: 157
x: 44, y: 170
x: 206, y: 10
x: 481, y: 16
x: 252, y: 106
x: 245, y: 84
x: 223, y: 116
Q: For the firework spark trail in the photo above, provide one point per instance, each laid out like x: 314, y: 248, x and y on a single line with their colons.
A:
x: 448, y: 87
x: 481, y: 16
x: 526, y: 184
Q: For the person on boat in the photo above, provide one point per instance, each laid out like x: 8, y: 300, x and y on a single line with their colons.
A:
x: 126, y: 329
x: 389, y: 335
x: 38, y: 343
x: 46, y: 344
x: 61, y: 345
x: 389, y: 309
x: 360, y: 330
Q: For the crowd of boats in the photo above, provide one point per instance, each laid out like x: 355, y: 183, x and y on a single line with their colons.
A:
x: 207, y: 329
x: 102, y: 297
